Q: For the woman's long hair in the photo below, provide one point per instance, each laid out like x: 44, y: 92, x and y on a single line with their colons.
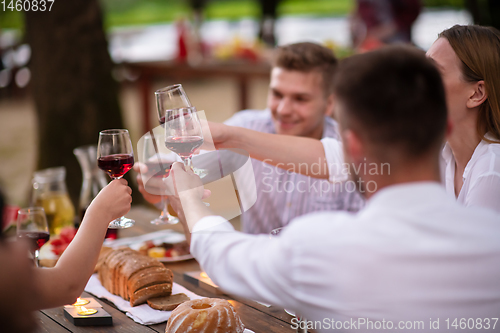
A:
x: 479, y: 50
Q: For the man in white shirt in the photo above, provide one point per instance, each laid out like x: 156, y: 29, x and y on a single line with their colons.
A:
x: 413, y: 259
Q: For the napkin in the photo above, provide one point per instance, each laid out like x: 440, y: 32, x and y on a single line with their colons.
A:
x: 142, y: 314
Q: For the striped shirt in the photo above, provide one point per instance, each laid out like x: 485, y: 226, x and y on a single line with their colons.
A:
x: 282, y: 195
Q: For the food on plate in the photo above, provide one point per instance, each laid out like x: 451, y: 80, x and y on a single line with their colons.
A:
x: 134, y: 276
x: 206, y: 315
x: 157, y: 252
x: 164, y: 250
x: 167, y: 303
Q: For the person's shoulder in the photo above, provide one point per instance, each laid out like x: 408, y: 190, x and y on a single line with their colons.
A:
x: 322, y: 222
x: 487, y: 160
x: 331, y: 128
x: 253, y: 119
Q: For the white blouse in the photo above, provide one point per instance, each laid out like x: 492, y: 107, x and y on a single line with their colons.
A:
x: 481, y: 186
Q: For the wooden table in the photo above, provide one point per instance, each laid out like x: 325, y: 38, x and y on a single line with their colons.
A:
x: 255, y: 316
x: 241, y: 70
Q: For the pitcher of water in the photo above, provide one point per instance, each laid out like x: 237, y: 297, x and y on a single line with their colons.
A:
x: 49, y: 192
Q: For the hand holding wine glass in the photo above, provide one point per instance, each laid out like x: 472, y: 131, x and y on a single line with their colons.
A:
x: 158, y: 167
x: 116, y: 156
x: 32, y: 225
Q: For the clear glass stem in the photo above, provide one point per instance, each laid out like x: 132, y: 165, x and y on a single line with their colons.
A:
x: 165, y: 217
x: 188, y: 163
x: 122, y: 222
x: 37, y: 261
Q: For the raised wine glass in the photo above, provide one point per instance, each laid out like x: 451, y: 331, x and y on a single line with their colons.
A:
x: 171, y: 97
x: 32, y: 225
x: 183, y: 133
x: 158, y: 165
x: 116, y: 156
x: 168, y: 100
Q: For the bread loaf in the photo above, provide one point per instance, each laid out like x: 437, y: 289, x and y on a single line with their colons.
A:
x: 134, y: 276
x: 167, y: 303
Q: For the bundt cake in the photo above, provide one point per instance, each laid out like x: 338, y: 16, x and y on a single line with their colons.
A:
x: 206, y: 315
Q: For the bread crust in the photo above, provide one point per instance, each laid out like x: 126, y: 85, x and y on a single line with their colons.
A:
x: 167, y: 303
x: 133, y: 276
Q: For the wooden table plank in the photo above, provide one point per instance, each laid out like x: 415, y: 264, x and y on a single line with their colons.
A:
x: 47, y: 324
x: 121, y: 323
x: 192, y: 265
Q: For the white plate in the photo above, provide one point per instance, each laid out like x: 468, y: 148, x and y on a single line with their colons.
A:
x: 158, y: 238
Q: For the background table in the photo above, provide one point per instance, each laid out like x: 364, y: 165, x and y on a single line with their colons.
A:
x: 242, y: 71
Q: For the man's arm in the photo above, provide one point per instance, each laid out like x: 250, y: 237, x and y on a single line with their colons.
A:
x: 293, y: 153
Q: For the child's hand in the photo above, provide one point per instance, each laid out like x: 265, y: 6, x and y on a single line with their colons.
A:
x: 113, y: 201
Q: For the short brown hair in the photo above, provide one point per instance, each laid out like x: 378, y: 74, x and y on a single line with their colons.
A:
x: 307, y: 57
x: 394, y: 99
x: 479, y: 50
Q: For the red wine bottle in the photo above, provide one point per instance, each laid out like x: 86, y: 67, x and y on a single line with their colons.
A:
x: 116, y: 165
x: 184, y: 146
x: 36, y: 238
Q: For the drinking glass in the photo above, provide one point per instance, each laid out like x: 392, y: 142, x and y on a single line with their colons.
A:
x: 158, y: 168
x: 168, y: 100
x: 171, y: 97
x: 183, y: 134
x: 32, y: 225
x: 116, y: 156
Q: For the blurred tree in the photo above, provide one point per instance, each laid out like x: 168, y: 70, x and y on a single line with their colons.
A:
x: 485, y: 12
x: 74, y: 92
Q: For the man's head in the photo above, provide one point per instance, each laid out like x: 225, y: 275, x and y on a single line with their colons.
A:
x: 391, y: 107
x: 300, y: 92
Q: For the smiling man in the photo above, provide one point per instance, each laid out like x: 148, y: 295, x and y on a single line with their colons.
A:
x: 300, y: 103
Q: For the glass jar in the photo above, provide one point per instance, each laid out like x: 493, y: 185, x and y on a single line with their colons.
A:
x: 49, y: 192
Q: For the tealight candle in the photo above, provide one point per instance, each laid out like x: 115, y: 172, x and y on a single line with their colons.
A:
x: 80, y: 302
x: 83, y: 311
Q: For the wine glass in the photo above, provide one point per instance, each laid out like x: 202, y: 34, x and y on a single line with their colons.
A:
x: 158, y: 168
x: 116, y: 156
x: 32, y: 225
x: 183, y: 133
x: 173, y: 98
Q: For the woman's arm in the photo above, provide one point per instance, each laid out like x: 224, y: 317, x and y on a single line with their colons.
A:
x: 65, y: 282
x: 293, y: 153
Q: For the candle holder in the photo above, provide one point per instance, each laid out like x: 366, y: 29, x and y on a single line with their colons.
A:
x: 201, y: 279
x: 87, y: 312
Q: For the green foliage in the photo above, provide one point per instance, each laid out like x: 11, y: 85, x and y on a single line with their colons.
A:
x: 141, y: 12
x: 316, y: 7
x: 445, y: 3
x: 11, y: 19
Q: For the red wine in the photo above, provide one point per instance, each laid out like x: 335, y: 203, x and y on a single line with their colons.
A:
x: 116, y: 165
x: 159, y: 170
x: 184, y: 146
x: 37, y: 238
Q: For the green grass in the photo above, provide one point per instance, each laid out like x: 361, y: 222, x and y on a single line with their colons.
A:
x: 142, y: 12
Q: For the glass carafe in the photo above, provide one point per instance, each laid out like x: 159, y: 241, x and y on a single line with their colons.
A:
x: 49, y: 192
x: 94, y: 178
